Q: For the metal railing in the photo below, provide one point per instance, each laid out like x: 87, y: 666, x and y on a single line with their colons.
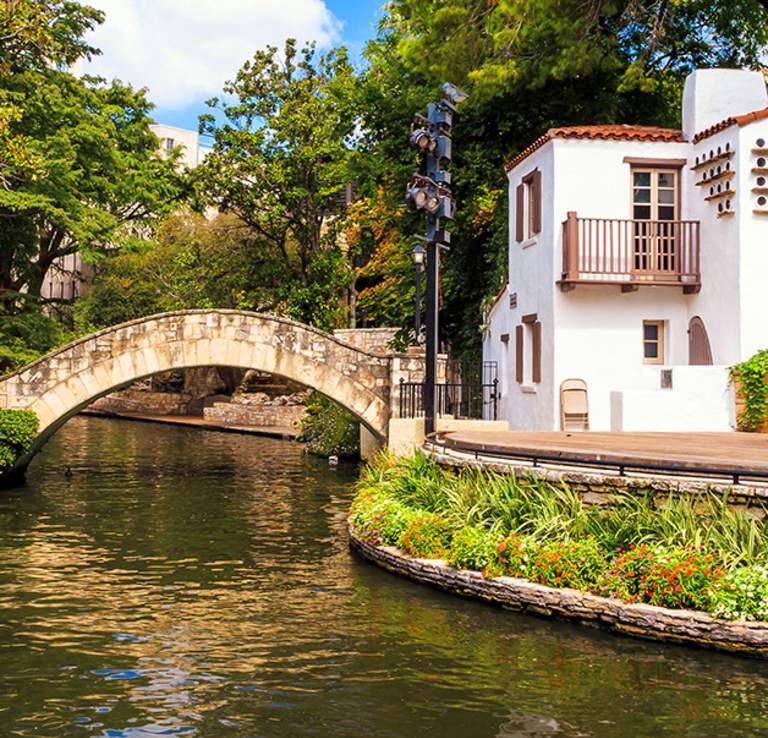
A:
x: 621, y: 466
x: 631, y: 251
x: 459, y: 400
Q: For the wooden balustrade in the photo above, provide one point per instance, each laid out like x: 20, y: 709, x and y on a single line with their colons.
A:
x: 631, y: 253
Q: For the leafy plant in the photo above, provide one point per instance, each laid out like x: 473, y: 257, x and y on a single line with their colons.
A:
x: 752, y: 375
x: 329, y: 430
x: 578, y: 564
x: 18, y: 429
x: 427, y: 537
x: 744, y: 594
x: 473, y: 548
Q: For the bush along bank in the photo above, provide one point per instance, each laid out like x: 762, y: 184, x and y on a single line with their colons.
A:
x: 18, y: 429
x: 673, y: 554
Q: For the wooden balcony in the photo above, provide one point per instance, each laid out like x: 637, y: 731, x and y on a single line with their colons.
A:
x: 631, y: 253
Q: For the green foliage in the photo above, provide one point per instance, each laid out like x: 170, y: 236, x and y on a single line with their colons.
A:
x: 744, y: 594
x: 427, y: 537
x: 82, y: 171
x: 191, y: 263
x: 752, y: 375
x: 279, y: 161
x: 329, y: 430
x: 673, y: 555
x: 26, y: 336
x: 578, y: 564
x: 473, y: 548
x: 18, y: 429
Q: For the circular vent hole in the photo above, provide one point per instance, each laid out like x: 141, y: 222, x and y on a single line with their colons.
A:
x: 761, y: 201
x: 760, y: 142
x: 761, y: 161
x: 761, y: 181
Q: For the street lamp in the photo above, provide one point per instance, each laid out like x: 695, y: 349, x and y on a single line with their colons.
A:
x: 419, y: 254
x: 431, y: 136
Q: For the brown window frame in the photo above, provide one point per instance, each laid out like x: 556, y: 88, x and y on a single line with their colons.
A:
x: 660, y: 341
x: 528, y: 206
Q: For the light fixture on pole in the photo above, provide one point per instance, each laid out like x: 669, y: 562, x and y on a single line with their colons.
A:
x: 431, y: 135
x: 419, y: 254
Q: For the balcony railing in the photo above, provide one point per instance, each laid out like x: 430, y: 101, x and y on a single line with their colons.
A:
x: 631, y: 253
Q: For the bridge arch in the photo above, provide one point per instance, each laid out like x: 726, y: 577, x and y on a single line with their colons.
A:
x: 62, y: 383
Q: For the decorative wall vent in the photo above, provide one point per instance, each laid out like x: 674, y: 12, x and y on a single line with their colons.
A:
x: 716, y: 176
x: 512, y: 300
x: 760, y: 177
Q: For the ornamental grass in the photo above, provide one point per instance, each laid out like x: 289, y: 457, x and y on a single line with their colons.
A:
x: 675, y: 552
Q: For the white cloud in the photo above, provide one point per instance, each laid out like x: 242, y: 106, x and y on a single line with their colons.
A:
x: 184, y: 50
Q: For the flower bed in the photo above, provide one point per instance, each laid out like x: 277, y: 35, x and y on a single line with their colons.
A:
x: 702, y: 557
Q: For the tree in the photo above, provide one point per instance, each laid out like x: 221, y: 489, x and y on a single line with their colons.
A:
x: 190, y: 263
x: 280, y: 160
x: 81, y: 170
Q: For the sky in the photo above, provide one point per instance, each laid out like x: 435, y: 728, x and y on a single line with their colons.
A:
x: 184, y: 50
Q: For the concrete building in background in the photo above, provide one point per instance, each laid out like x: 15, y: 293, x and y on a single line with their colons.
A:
x: 67, y: 275
x: 637, y: 261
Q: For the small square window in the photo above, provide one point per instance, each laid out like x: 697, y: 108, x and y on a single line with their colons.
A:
x: 653, y: 342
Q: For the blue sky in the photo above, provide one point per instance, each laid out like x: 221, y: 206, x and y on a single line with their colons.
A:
x: 184, y: 50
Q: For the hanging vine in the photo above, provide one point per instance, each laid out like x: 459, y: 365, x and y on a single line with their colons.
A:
x: 752, y: 376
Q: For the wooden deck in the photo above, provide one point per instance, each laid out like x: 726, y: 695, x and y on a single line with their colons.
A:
x: 738, y: 451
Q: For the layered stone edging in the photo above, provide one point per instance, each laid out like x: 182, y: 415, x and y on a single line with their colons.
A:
x: 640, y: 620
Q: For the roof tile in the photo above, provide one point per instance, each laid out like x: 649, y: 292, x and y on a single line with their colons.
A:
x: 734, y: 120
x: 608, y: 131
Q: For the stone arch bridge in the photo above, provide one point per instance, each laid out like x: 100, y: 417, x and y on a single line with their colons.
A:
x: 61, y: 384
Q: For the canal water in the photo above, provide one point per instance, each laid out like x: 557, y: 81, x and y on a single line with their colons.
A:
x: 189, y: 583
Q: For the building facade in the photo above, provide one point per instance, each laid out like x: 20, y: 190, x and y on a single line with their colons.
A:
x: 636, y: 263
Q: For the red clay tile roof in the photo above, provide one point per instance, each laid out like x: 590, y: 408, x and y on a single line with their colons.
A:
x: 735, y: 120
x: 609, y: 131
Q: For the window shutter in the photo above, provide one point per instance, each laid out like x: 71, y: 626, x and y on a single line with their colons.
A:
x: 536, y: 184
x: 519, y: 354
x: 536, y: 372
x: 519, y: 212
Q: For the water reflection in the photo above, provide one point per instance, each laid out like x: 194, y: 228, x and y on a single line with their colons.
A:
x: 200, y: 584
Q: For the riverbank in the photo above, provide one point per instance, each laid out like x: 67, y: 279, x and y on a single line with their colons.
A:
x: 698, y: 558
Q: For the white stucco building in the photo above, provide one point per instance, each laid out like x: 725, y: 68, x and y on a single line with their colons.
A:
x: 637, y: 264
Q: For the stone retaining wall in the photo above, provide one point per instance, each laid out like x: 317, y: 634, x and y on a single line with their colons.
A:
x: 597, y: 488
x: 265, y: 415
x: 640, y: 620
x: 144, y: 402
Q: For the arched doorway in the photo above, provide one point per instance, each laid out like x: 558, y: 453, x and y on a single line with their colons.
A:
x: 699, y: 350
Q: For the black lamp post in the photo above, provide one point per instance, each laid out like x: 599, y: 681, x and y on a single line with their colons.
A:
x: 431, y: 135
x: 419, y: 255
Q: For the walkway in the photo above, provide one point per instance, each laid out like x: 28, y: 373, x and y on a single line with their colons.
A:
x: 200, y: 423
x: 746, y: 452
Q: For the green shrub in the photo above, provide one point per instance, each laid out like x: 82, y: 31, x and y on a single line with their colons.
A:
x: 743, y: 594
x: 473, y: 548
x: 18, y: 429
x: 752, y: 375
x: 427, y: 536
x: 513, y: 554
x: 577, y: 564
x: 329, y: 430
x: 680, y: 578
x: 621, y: 580
x: 378, y: 519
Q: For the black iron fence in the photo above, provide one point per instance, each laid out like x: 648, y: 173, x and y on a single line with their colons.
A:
x: 457, y: 399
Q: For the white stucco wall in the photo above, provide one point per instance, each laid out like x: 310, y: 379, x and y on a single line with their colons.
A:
x: 712, y: 95
x: 753, y: 241
x: 189, y: 141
